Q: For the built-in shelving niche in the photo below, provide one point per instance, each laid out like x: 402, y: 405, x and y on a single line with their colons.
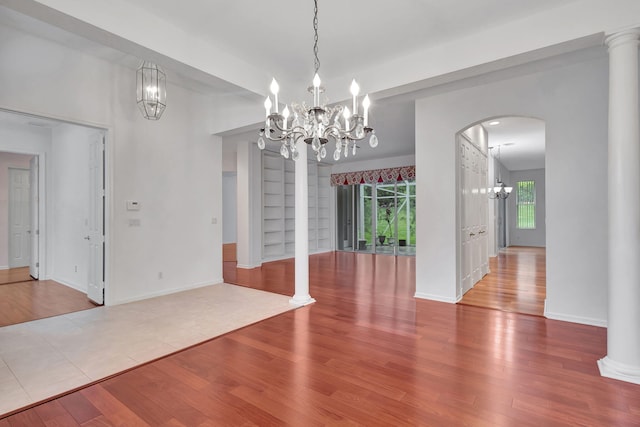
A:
x: 278, y: 207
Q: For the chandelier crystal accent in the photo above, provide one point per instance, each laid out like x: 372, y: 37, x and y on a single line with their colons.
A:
x: 316, y: 125
x: 151, y: 90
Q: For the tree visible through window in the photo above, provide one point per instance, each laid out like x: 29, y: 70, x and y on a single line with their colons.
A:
x: 526, y: 204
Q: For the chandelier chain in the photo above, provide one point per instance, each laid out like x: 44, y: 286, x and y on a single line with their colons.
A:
x: 315, y: 36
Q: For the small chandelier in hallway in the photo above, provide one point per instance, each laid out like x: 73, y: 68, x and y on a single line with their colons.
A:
x: 500, y: 191
x: 315, y: 125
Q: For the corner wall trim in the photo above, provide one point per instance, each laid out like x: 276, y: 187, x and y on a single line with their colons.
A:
x: 438, y: 298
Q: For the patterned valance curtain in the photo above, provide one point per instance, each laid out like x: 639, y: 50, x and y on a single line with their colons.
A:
x: 385, y: 176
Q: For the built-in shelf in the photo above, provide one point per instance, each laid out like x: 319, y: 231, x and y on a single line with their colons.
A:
x: 278, y: 207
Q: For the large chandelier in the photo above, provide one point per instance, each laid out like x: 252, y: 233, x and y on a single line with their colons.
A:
x: 318, y: 124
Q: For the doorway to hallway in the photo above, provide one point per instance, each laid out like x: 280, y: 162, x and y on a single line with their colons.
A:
x: 66, y: 219
x: 516, y: 283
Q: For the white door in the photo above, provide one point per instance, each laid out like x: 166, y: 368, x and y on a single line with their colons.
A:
x: 34, y: 174
x: 473, y: 218
x: 19, y: 224
x: 95, y: 238
x: 466, y: 232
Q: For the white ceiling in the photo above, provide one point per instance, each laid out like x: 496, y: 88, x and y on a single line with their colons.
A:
x: 517, y: 142
x: 372, y: 40
x: 353, y: 34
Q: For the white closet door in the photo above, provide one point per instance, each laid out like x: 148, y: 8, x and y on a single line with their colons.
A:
x: 473, y: 215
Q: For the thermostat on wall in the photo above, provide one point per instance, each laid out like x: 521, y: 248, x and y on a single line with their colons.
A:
x: 133, y: 205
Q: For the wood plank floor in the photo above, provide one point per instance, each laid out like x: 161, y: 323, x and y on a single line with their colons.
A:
x: 367, y: 353
x: 517, y: 282
x: 37, y: 299
x: 13, y: 275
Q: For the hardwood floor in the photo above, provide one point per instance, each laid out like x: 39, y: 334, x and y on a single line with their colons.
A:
x: 517, y: 282
x: 36, y: 299
x: 367, y: 353
x: 13, y: 275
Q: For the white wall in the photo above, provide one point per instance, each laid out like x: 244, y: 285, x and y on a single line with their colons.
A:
x: 537, y: 236
x: 70, y: 205
x: 572, y: 100
x: 7, y: 160
x: 172, y: 166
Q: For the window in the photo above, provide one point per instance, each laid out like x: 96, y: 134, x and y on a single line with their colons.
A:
x: 526, y: 205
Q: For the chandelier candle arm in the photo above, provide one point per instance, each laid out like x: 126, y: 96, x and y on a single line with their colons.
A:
x: 285, y: 117
x: 365, y: 106
x: 346, y: 115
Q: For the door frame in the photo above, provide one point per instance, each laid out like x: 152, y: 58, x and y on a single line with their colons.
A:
x: 17, y: 148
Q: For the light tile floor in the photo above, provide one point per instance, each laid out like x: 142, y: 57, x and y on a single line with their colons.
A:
x: 46, y: 357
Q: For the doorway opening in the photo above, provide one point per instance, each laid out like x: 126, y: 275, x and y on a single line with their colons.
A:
x: 55, y: 213
x: 506, y: 233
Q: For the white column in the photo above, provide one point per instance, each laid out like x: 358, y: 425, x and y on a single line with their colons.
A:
x: 301, y: 296
x: 623, y: 340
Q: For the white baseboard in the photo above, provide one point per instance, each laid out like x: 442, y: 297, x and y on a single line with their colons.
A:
x: 619, y: 371
x: 75, y: 286
x: 166, y: 292
x: 4, y: 267
x: 248, y: 267
x: 438, y: 298
x: 575, y: 319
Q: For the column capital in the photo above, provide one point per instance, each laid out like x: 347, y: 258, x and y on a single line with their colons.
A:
x: 631, y: 35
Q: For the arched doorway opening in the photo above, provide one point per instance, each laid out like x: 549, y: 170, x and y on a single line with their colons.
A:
x: 502, y: 230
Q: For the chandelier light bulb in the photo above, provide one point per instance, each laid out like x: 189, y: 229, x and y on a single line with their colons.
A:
x: 366, y: 103
x: 346, y: 114
x: 355, y: 90
x: 275, y: 88
x: 267, y: 105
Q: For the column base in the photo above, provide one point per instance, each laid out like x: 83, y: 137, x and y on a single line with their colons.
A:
x: 619, y: 371
x: 303, y: 300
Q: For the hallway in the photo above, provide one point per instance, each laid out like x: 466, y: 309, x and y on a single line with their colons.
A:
x: 516, y: 282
